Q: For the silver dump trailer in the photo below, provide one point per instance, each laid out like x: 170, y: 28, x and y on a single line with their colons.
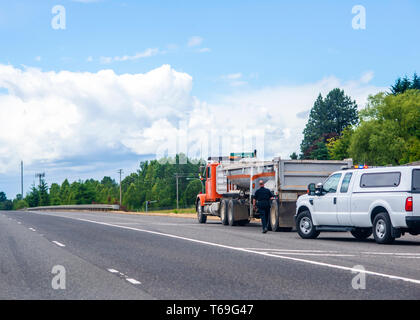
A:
x: 237, y: 182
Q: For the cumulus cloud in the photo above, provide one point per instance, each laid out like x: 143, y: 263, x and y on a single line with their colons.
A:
x: 47, y: 116
x: 53, y: 116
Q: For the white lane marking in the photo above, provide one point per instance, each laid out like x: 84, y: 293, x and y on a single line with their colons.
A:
x: 333, y: 266
x: 59, y: 244
x: 393, y: 253
x: 312, y: 254
x: 289, y: 250
x: 133, y: 281
x: 32, y: 229
x: 113, y: 271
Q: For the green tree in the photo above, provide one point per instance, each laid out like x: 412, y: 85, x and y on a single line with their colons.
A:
x: 338, y: 148
x: 55, y: 194
x: 20, y: 204
x: 131, y: 197
x: 294, y: 156
x: 33, y: 197
x: 190, y: 194
x: 404, y: 84
x: 389, y: 132
x: 44, y: 197
x: 328, y: 118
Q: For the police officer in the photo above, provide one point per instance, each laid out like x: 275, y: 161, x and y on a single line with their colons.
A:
x: 262, y: 201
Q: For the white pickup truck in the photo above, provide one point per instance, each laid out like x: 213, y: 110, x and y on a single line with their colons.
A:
x: 384, y: 201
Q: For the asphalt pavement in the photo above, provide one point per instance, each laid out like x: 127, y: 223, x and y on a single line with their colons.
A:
x: 118, y: 256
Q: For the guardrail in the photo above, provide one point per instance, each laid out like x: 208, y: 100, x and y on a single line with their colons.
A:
x: 93, y: 207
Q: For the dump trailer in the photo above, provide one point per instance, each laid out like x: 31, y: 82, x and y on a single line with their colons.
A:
x: 231, y: 183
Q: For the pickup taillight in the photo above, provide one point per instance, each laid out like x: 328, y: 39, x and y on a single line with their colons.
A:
x: 409, y: 204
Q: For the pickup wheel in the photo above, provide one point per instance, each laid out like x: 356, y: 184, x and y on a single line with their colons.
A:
x: 202, y: 218
x: 223, y: 212
x: 382, y: 228
x: 362, y: 233
x: 305, y: 226
x: 230, y: 212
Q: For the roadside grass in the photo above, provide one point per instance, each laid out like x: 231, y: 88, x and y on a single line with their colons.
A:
x: 183, y: 210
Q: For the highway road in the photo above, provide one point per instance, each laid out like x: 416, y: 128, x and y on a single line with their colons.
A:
x: 118, y: 256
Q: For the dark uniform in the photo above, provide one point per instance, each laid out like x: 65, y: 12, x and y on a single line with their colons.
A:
x: 262, y: 196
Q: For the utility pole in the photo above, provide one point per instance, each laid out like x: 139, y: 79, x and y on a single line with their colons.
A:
x: 40, y: 176
x: 21, y: 179
x: 120, y: 172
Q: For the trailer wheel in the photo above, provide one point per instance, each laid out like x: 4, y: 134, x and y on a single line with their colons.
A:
x: 274, y: 216
x: 231, y: 207
x: 223, y: 212
x: 202, y: 218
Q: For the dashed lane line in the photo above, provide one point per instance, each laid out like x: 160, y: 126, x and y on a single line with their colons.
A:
x: 59, y: 244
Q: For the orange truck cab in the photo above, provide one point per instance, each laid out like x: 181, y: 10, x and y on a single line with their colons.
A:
x: 211, y: 194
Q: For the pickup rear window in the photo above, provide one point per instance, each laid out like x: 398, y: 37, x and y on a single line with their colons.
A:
x: 416, y: 180
x: 380, y: 180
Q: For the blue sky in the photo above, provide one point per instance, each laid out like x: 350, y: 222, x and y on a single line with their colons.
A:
x: 236, y: 53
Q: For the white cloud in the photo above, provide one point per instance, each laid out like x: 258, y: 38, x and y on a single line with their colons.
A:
x: 51, y: 116
x: 145, y: 54
x: 48, y: 116
x: 194, y: 41
x: 38, y: 58
x: 204, y: 50
x: 233, y: 76
x: 234, y: 79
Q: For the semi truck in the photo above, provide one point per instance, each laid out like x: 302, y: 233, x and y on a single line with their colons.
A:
x: 231, y: 182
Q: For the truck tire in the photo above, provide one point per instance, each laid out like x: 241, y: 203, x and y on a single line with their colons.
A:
x: 382, y: 229
x: 362, y: 233
x: 202, y: 218
x: 230, y: 211
x: 274, y: 216
x: 223, y: 211
x: 305, y: 226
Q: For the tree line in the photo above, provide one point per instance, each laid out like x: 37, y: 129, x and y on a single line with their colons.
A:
x: 385, y: 132
x: 154, y: 181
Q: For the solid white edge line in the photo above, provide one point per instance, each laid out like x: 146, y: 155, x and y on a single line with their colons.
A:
x: 323, y: 264
x: 58, y: 244
x: 353, y: 270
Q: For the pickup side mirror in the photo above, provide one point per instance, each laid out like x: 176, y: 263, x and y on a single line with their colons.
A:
x: 319, y: 189
x: 311, y: 189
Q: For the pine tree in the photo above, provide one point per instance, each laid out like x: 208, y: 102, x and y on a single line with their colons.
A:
x: 328, y: 118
